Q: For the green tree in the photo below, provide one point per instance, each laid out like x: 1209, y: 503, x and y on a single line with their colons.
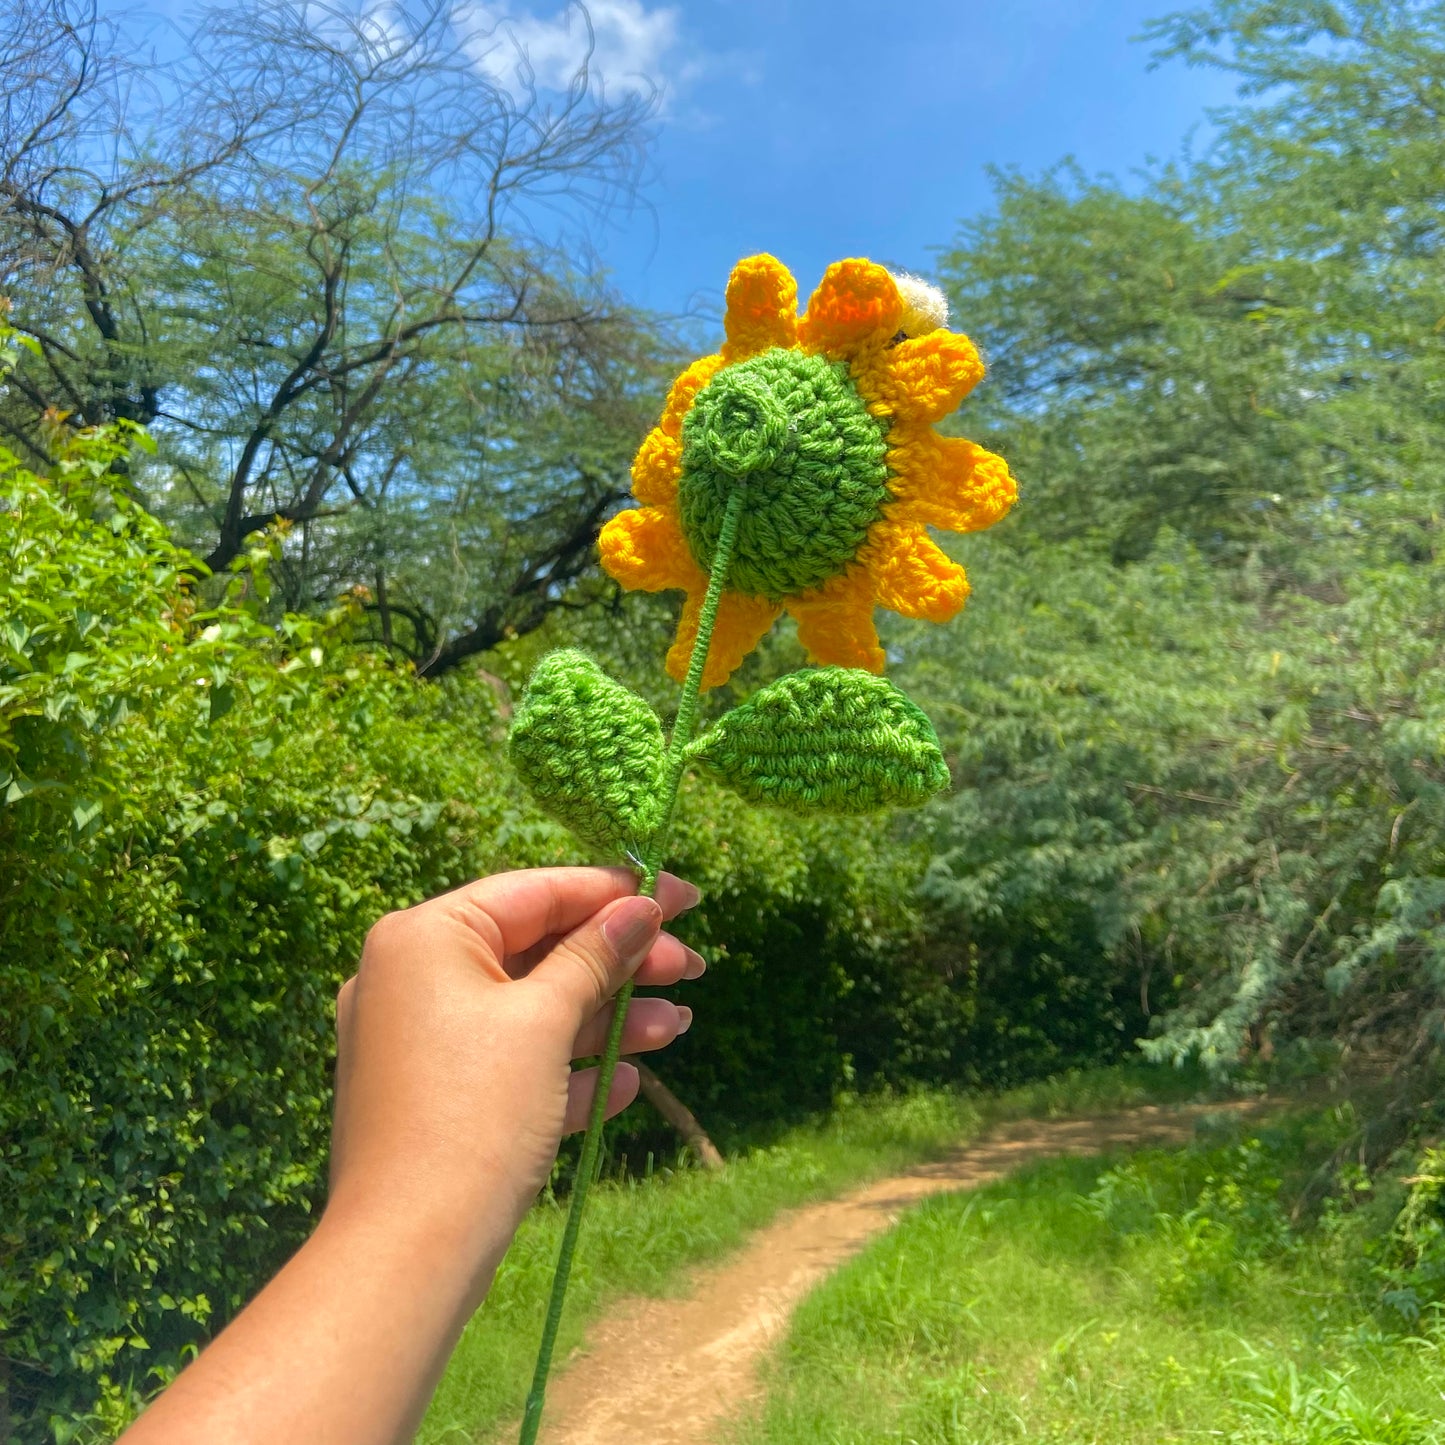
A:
x: 1208, y: 757
x: 309, y: 254
x: 1140, y: 376
x: 1257, y: 331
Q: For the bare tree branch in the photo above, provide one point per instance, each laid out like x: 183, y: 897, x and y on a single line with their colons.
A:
x: 319, y: 251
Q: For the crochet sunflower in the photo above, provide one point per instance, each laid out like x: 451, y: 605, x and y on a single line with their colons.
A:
x: 798, y: 468
x: 828, y: 420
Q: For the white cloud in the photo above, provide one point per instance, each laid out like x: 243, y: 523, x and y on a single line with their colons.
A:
x: 383, y: 28
x: 368, y: 32
x: 632, y: 44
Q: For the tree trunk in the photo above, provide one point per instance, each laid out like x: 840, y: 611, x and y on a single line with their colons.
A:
x: 678, y: 1115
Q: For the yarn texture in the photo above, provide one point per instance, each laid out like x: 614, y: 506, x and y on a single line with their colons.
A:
x: 796, y: 428
x: 829, y: 740
x: 796, y: 469
x: 588, y: 751
x: 830, y: 416
x: 925, y: 307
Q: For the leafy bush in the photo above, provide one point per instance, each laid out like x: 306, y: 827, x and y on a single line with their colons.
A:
x: 1198, y: 720
x: 1221, y: 1227
x: 1410, y: 1259
x: 201, y: 818
x: 1283, y: 1406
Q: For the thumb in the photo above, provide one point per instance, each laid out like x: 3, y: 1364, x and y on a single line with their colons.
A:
x: 592, y: 962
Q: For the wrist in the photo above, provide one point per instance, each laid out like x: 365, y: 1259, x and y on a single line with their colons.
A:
x: 451, y: 1254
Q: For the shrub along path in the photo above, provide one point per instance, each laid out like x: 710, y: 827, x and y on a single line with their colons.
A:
x: 670, y: 1371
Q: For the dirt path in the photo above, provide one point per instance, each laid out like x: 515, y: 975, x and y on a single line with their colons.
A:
x: 669, y: 1371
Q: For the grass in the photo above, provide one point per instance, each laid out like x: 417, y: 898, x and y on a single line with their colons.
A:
x: 641, y: 1234
x: 1164, y: 1297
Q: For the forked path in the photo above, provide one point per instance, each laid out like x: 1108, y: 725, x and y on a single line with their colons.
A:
x: 670, y: 1371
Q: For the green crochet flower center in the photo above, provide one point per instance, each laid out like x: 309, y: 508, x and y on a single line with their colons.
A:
x: 794, y: 429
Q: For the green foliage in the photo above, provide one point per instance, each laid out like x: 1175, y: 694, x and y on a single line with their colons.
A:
x: 1230, y: 1225
x: 1409, y: 1258
x: 1142, y: 1300
x: 588, y: 750
x: 201, y: 818
x: 830, y: 739
x: 1255, y: 330
x: 1242, y: 835
x: 1140, y: 375
x: 796, y: 909
x: 1198, y: 753
x: 1044, y: 877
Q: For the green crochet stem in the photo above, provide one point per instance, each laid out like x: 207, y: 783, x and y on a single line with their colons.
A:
x: 651, y: 864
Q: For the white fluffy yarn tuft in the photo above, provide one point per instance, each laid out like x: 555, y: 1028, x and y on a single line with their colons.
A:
x: 925, y: 307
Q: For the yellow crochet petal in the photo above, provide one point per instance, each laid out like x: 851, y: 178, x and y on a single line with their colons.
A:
x: 762, y: 308
x: 856, y: 303
x: 947, y: 482
x: 656, y: 468
x: 835, y: 622
x: 910, y: 574
x: 741, y: 623
x: 685, y: 389
x: 921, y: 379
x: 644, y: 549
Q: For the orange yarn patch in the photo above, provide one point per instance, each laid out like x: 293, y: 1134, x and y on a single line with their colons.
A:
x: 855, y: 303
x: 684, y: 391
x: 762, y: 308
x: 645, y: 551
x: 947, y: 482
x: 835, y: 622
x: 923, y: 379
x: 911, y: 576
x: 741, y: 623
x: 656, y: 468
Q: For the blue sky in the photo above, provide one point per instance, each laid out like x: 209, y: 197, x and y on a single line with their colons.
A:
x: 817, y: 129
x: 824, y: 128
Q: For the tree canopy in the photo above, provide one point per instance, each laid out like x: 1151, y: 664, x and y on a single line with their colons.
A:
x: 330, y: 265
x: 1198, y: 710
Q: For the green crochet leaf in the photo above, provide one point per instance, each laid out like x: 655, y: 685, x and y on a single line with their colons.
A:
x: 588, y: 750
x: 828, y: 739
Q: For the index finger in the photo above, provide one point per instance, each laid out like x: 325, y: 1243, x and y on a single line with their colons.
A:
x: 514, y: 911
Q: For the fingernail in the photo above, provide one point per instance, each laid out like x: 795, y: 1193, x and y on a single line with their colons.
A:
x: 684, y: 1018
x: 696, y: 964
x: 632, y: 927
x: 691, y: 894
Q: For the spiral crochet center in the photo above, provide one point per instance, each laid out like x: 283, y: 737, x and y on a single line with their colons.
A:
x: 795, y: 427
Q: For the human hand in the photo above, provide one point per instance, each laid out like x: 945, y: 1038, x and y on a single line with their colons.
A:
x: 455, y: 1041
x: 454, y: 1086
